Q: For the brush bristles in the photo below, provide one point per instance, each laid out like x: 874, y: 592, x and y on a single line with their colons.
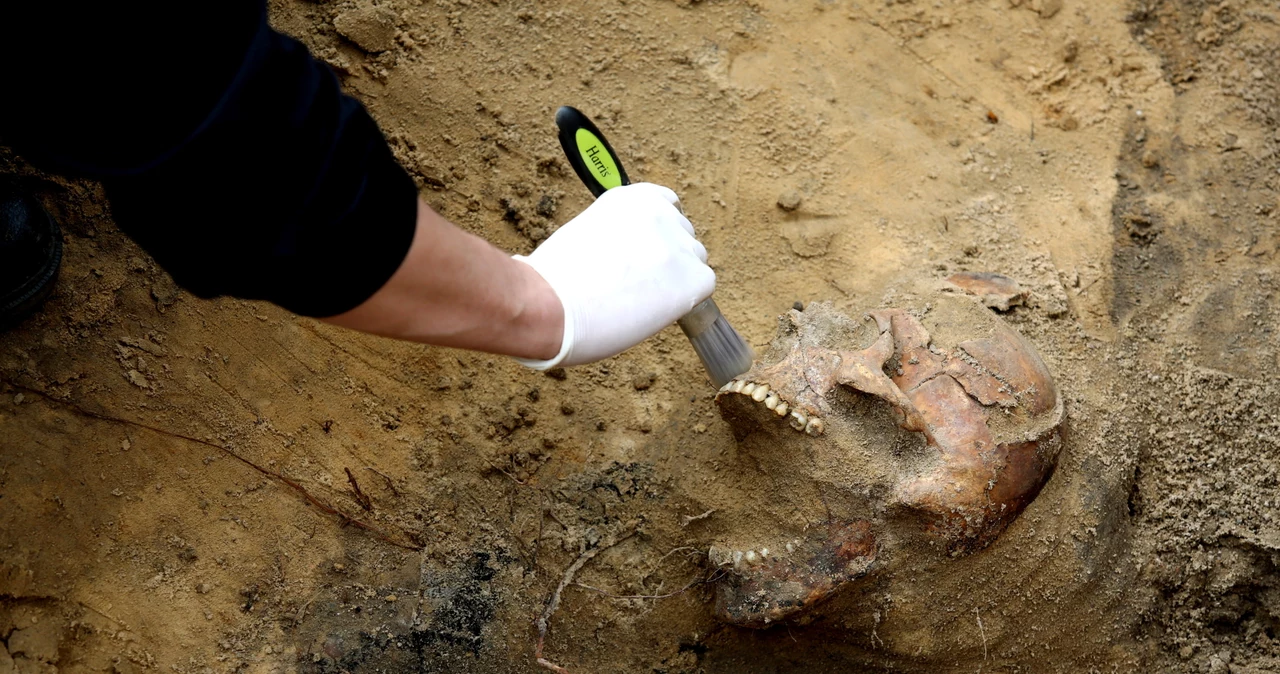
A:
x: 723, y: 351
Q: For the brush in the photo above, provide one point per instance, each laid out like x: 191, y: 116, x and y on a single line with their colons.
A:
x: 722, y: 350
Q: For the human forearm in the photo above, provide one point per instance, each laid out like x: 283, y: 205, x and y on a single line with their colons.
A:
x: 455, y: 289
x: 619, y: 272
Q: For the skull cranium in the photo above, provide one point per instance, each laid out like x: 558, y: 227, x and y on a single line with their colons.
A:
x: 937, y: 426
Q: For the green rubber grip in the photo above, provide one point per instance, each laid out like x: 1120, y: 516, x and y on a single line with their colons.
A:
x: 591, y: 156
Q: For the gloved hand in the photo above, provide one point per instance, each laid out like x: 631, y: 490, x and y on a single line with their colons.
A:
x: 624, y: 268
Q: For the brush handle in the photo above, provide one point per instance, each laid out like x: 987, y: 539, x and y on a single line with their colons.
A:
x: 591, y: 156
x: 721, y: 349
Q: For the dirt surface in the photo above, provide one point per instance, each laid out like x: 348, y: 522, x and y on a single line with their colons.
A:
x: 196, y: 486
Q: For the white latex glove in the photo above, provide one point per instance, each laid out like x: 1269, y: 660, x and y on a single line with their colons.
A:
x: 624, y: 269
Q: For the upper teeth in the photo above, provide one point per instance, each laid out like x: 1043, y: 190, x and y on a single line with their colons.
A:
x: 741, y: 560
x: 761, y: 393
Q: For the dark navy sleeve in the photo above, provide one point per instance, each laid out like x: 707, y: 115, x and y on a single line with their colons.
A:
x: 227, y: 152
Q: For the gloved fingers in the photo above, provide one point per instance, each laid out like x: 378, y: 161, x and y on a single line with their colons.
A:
x: 650, y: 190
x: 664, y: 193
x: 691, y: 281
x: 678, y: 218
x: 685, y: 224
x: 698, y: 250
x: 673, y: 233
x: 702, y: 283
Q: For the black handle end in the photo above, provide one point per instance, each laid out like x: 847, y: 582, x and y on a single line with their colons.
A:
x: 590, y: 154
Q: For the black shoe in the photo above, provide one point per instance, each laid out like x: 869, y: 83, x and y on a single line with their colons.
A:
x: 30, y: 254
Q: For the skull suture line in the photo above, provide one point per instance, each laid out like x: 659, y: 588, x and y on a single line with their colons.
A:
x: 982, y: 419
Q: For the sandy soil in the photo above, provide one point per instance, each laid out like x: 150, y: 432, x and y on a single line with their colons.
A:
x: 196, y: 486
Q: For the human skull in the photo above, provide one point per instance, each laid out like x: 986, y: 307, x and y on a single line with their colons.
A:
x: 931, y: 427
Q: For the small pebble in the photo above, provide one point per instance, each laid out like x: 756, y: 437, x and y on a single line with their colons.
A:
x: 644, y: 381
x: 373, y: 29
x: 1070, y: 51
x: 789, y: 200
x: 1049, y: 8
